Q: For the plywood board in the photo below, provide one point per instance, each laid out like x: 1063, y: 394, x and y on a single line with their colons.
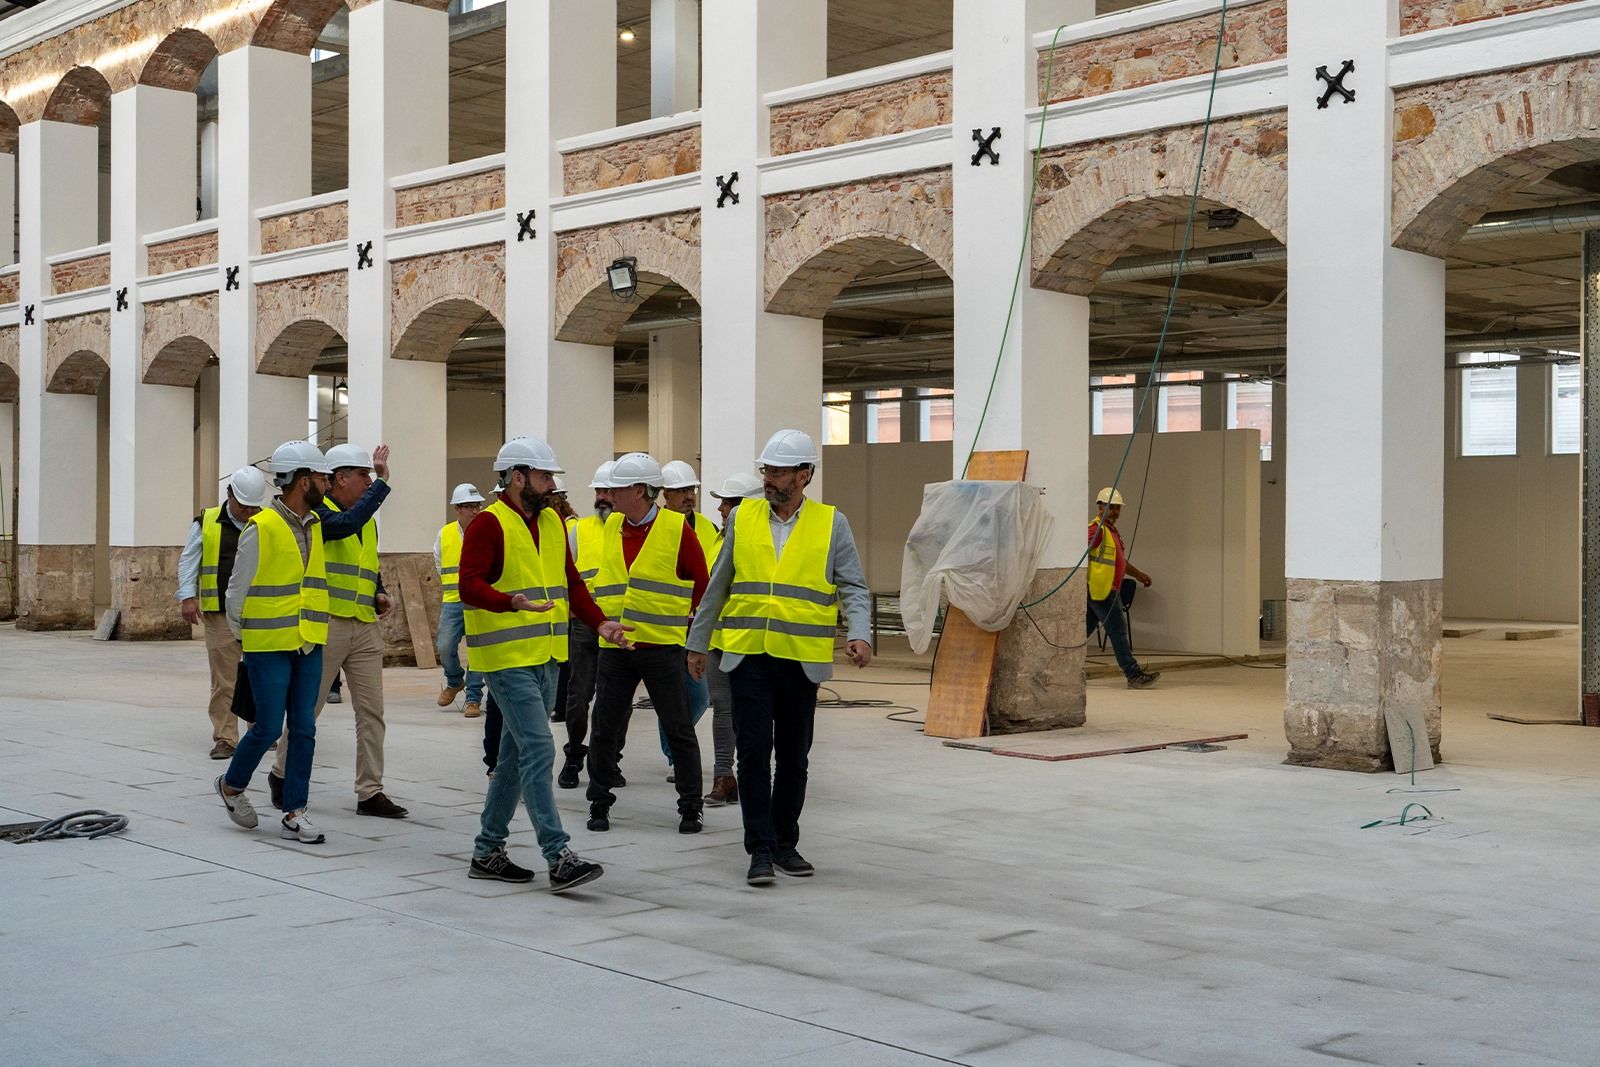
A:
x: 416, y: 609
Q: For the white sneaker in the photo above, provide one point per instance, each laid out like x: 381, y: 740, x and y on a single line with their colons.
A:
x: 240, y: 810
x: 296, y: 827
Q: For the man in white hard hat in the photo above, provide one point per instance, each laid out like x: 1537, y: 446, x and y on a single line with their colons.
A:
x: 467, y: 502
x: 652, y: 575
x: 585, y: 539
x: 724, y: 786
x: 786, y: 568
x: 520, y: 587
x: 277, y: 606
x: 356, y: 599
x: 203, y: 572
x: 1108, y: 562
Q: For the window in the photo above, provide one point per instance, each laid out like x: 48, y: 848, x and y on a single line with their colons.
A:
x: 938, y: 415
x: 835, y: 418
x: 883, y: 416
x: 1112, y: 404
x: 1250, y: 408
x: 1488, y: 404
x: 1178, y: 406
x: 1565, y: 409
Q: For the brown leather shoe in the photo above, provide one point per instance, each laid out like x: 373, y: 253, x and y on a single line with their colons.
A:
x: 724, y: 790
x: 472, y: 710
x: 447, y: 695
x: 222, y: 750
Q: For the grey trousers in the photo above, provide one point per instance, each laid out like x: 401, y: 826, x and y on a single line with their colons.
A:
x: 721, y: 716
x: 583, y: 649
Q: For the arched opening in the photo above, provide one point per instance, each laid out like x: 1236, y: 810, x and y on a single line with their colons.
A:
x: 190, y: 362
x: 186, y: 62
x: 80, y: 381
x: 319, y: 30
x: 313, y: 349
x: 9, y: 228
x: 81, y: 161
x: 477, y: 79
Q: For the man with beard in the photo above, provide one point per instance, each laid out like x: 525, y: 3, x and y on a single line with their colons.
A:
x: 585, y: 539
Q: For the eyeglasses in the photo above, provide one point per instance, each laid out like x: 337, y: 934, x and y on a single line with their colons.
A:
x: 773, y: 472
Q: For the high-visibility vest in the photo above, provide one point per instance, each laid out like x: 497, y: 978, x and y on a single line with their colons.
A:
x: 712, y: 551
x: 591, y: 541
x: 649, y: 595
x: 1102, y: 561
x: 450, y: 562
x: 212, y: 536
x: 286, y: 604
x: 353, y: 573
x: 502, y: 640
x: 785, y: 607
x: 709, y: 536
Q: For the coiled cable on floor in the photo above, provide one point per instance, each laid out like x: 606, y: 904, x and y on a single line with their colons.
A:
x: 90, y: 823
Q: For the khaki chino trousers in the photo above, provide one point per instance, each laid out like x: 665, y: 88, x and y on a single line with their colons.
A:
x: 357, y: 649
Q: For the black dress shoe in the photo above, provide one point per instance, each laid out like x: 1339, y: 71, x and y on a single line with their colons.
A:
x: 275, y: 787
x: 760, y: 872
x: 381, y: 806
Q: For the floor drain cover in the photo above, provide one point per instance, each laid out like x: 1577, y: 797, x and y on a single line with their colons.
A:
x: 17, y: 831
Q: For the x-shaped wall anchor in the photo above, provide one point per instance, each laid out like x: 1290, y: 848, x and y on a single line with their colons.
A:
x: 725, y: 193
x: 364, y: 256
x: 1336, y: 84
x: 122, y: 299
x: 986, y: 147
x: 233, y: 280
x: 27, y: 315
x: 525, y: 230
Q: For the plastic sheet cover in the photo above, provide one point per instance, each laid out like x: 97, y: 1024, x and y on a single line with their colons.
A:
x: 977, y: 546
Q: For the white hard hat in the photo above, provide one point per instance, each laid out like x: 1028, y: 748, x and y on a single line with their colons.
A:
x: 249, y: 487
x: 341, y: 456
x: 738, y: 487
x: 676, y: 474
x: 1108, y: 495
x: 561, y: 485
x: 466, y: 493
x: 602, y: 475
x: 636, y: 468
x: 294, y: 456
x: 531, y: 452
x: 790, y: 448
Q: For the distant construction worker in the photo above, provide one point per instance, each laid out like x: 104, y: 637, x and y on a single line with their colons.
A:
x: 680, y: 492
x: 520, y: 586
x: 724, y: 786
x: 447, y: 558
x: 785, y: 566
x: 355, y: 600
x: 562, y: 506
x: 1108, y: 562
x: 277, y: 606
x: 585, y: 540
x: 652, y: 575
x: 203, y: 572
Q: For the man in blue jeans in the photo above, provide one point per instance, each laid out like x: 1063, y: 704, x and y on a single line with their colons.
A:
x: 447, y: 558
x: 1108, y: 563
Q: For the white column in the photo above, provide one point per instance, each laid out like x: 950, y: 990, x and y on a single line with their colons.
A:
x: 264, y: 158
x: 399, y: 123
x: 8, y: 468
x: 674, y: 56
x: 561, y: 80
x: 675, y: 394
x: 209, y: 140
x: 761, y: 372
x: 8, y: 203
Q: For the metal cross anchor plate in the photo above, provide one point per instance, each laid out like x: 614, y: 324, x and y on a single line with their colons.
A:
x: 725, y: 193
x: 986, y: 146
x: 364, y: 256
x: 525, y: 230
x: 1336, y: 84
x: 233, y: 280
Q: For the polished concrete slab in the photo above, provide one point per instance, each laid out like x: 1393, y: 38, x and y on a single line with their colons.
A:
x: 1163, y: 907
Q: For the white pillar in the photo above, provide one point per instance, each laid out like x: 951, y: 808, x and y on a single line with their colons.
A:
x: 8, y: 203
x: 675, y: 394
x: 674, y: 56
x: 561, y: 80
x: 1366, y: 398
x: 264, y: 158
x: 209, y: 140
x: 761, y: 372
x: 399, y: 123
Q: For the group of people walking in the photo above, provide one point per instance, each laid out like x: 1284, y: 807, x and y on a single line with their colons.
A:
x: 563, y: 620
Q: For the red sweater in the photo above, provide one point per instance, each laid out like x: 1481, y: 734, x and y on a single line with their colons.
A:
x: 483, y: 555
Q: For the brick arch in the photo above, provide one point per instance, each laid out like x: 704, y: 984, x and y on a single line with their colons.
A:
x: 1460, y: 145
x: 297, y: 318
x: 667, y: 248
x: 295, y: 25
x: 9, y: 362
x: 1096, y: 198
x: 80, y: 97
x: 180, y: 338
x: 819, y: 240
x: 179, y: 61
x: 77, y: 353
x: 437, y: 298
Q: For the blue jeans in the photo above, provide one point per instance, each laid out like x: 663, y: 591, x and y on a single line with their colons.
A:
x: 1108, y: 613
x: 527, y: 757
x: 699, y: 694
x: 452, y: 628
x: 284, y: 685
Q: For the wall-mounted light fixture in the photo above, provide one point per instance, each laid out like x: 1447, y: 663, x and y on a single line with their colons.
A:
x: 627, y: 36
x: 623, y: 277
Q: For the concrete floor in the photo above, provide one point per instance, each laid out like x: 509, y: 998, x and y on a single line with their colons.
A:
x: 1167, y: 907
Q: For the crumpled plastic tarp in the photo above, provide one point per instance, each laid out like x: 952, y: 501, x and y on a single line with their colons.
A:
x: 976, y: 545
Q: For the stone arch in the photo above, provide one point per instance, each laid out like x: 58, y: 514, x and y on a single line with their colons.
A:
x: 9, y: 362
x: 297, y: 318
x: 295, y: 25
x: 77, y: 353
x: 1459, y: 145
x: 1095, y: 198
x: 438, y: 297
x: 667, y: 248
x: 80, y: 97
x: 179, y: 61
x: 820, y: 239
x: 180, y: 338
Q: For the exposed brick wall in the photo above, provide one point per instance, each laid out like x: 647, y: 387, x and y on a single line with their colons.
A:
x: 876, y: 111
x: 437, y: 297
x: 1419, y: 15
x: 178, y: 61
x: 180, y: 337
x: 1173, y: 50
x: 818, y: 240
x: 10, y: 363
x: 1460, y: 144
x: 199, y: 250
x: 302, y: 229
x: 10, y: 288
x: 80, y: 274
x: 297, y: 318
x: 667, y: 248
x: 77, y: 353
x: 640, y: 159
x: 1094, y: 198
x: 452, y: 198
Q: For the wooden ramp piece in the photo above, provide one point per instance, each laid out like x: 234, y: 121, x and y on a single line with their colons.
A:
x: 964, y: 668
x: 415, y: 606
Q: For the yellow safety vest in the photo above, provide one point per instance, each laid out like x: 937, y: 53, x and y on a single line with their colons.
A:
x: 785, y: 607
x: 353, y: 573
x: 713, y: 551
x: 708, y: 534
x: 502, y: 640
x: 286, y: 604
x: 649, y: 596
x: 450, y: 562
x: 1102, y: 563
x: 591, y: 542
x: 210, y: 559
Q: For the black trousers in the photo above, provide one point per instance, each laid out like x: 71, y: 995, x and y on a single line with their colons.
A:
x: 774, y: 714
x: 583, y: 645
x: 618, y: 673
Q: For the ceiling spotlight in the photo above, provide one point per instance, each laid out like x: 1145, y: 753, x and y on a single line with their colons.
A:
x: 1222, y: 218
x: 627, y: 35
x: 623, y: 277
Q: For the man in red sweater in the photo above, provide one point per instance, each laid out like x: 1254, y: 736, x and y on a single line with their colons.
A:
x: 652, y: 575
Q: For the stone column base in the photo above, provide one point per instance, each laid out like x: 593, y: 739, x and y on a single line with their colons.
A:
x: 1355, y: 649
x: 1038, y: 683
x: 398, y: 651
x: 143, y: 581
x: 55, y: 587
